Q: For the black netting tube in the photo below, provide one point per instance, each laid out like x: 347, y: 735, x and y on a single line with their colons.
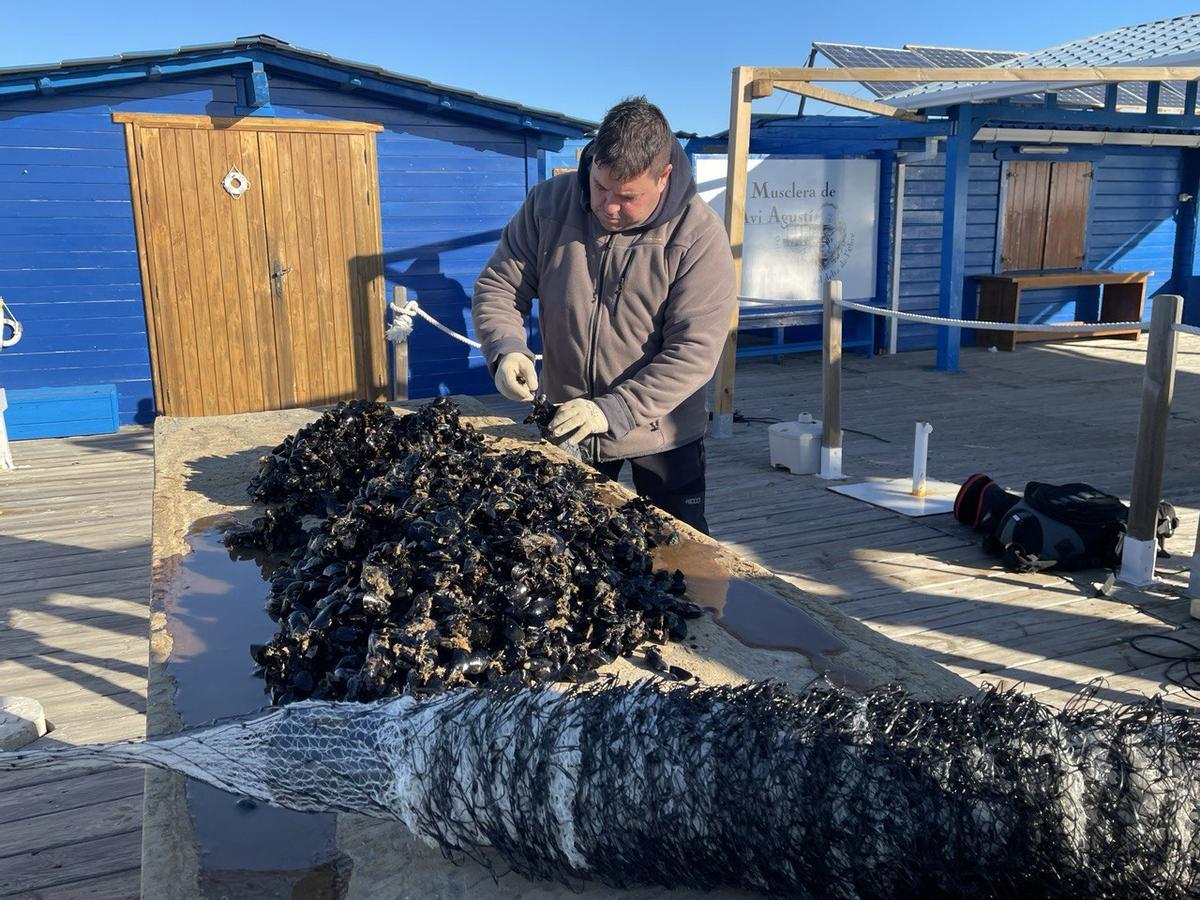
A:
x: 821, y: 794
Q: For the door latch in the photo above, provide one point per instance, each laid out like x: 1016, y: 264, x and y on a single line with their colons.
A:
x: 277, y: 273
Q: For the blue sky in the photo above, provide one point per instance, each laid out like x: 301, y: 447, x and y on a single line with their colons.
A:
x: 575, y: 58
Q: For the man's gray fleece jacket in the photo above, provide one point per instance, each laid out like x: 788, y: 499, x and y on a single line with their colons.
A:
x: 634, y: 320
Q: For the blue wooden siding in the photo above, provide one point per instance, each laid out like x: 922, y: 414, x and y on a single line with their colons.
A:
x: 68, y: 255
x: 920, y: 249
x: 1130, y: 226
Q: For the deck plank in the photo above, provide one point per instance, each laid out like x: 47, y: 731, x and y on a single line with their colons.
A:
x: 74, y: 547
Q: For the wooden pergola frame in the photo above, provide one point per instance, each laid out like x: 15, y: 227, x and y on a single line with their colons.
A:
x: 755, y: 82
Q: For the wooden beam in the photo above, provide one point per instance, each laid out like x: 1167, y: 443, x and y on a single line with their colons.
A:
x: 1150, y: 455
x: 258, y: 88
x: 1153, y: 92
x: 170, y: 120
x: 761, y: 88
x: 1110, y: 97
x: 735, y: 224
x: 1091, y: 75
x: 837, y: 98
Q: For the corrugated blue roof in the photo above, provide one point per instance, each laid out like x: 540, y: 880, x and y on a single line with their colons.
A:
x: 1165, y: 42
x: 146, y: 58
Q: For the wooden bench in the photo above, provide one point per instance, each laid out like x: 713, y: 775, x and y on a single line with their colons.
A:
x: 1122, y: 297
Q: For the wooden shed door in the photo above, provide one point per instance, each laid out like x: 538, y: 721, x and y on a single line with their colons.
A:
x: 1045, y: 215
x: 266, y: 297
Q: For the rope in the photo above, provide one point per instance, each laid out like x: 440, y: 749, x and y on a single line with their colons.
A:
x: 996, y: 326
x: 402, y: 325
x: 1188, y: 329
x: 8, y: 319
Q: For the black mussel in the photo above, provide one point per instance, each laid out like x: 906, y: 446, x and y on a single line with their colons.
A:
x: 415, y: 557
x: 458, y: 660
x: 655, y: 661
x: 479, y: 633
x: 477, y: 662
x: 302, y: 682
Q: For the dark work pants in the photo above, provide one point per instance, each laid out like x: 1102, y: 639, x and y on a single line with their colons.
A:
x: 672, y: 480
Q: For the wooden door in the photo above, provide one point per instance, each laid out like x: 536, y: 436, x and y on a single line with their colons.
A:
x: 1045, y: 215
x: 264, y: 298
x: 1066, y: 215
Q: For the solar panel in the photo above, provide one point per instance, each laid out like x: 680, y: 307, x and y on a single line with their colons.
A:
x: 994, y: 57
x: 923, y: 56
x: 949, y: 58
x: 848, y: 56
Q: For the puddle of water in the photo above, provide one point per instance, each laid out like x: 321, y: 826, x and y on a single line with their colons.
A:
x: 756, y: 616
x: 215, y: 612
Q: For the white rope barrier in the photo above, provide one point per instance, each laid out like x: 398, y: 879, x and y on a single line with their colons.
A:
x: 1188, y: 329
x: 996, y: 326
x: 402, y: 325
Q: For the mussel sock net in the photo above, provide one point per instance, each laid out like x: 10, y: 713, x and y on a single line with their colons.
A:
x: 822, y: 794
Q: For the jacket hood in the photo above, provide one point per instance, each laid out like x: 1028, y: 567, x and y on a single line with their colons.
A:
x: 681, y: 186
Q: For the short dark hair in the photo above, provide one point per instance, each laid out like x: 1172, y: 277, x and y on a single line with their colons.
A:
x: 633, y: 138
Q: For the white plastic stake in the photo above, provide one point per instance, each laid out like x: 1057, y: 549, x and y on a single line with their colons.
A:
x: 920, y: 458
x: 831, y: 385
x: 6, y: 460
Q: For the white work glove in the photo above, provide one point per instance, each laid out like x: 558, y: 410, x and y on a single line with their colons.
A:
x: 516, y: 378
x: 583, y: 417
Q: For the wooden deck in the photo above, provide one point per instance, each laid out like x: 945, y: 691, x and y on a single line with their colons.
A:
x: 75, y: 528
x: 75, y: 558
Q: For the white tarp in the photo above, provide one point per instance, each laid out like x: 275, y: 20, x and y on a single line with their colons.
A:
x: 808, y: 221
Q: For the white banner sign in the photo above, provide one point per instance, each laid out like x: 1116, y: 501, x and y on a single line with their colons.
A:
x: 808, y: 221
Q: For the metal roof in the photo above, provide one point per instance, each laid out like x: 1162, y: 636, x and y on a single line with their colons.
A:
x: 1164, y: 42
x: 146, y: 58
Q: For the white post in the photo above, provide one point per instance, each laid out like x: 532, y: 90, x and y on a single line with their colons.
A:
x: 920, y: 458
x: 1193, y: 588
x: 6, y: 460
x: 1140, y: 548
x: 831, y: 385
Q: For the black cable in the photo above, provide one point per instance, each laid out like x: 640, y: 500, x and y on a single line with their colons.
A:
x: 740, y: 419
x: 1184, y: 671
x: 867, y: 434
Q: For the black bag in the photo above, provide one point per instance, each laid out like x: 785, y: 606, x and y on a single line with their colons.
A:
x: 1066, y: 527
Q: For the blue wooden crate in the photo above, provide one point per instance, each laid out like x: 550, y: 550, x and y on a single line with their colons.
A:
x: 61, y: 411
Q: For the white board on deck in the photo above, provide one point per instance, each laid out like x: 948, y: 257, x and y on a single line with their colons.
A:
x: 808, y: 221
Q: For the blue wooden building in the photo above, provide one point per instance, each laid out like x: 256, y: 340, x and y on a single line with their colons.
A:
x: 219, y: 228
x: 993, y: 179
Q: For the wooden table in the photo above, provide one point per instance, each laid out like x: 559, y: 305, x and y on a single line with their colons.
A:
x: 1122, y: 297
x: 195, y: 841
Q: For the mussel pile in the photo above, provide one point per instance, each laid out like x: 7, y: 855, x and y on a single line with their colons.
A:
x: 435, y: 562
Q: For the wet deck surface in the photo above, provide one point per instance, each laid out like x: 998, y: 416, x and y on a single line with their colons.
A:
x: 75, y: 531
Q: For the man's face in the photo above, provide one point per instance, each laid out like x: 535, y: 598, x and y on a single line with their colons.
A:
x: 626, y: 204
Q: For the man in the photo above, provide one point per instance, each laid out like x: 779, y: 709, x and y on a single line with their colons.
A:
x: 634, y: 279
